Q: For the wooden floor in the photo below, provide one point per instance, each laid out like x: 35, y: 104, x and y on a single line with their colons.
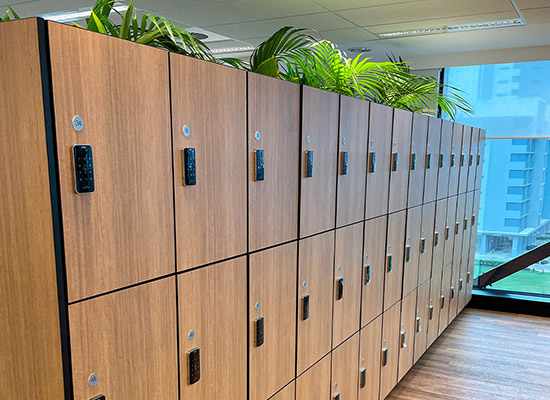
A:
x: 484, y: 355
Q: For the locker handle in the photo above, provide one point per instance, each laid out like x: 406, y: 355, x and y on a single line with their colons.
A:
x: 408, y: 253
x: 441, y: 160
x: 344, y: 163
x: 478, y: 159
x: 336, y: 396
x: 460, y: 284
x: 431, y: 312
x: 436, y: 238
x: 189, y: 167
x: 394, y: 161
x: 309, y: 163
x: 372, y: 161
x: 366, y: 279
x: 468, y: 277
x: 471, y: 161
x: 413, y: 161
x: 442, y: 301
x: 260, y: 165
x: 457, y: 228
x: 462, y: 158
x: 390, y: 262
x: 418, y: 324
x: 452, y: 292
x: 305, y: 307
x: 403, y: 339
x: 453, y: 157
x: 339, y: 288
x: 194, y: 360
x: 362, y: 377
x: 447, y: 232
x: 423, y: 245
x: 465, y: 223
x: 428, y: 160
x: 384, y: 356
x: 259, y: 323
x: 473, y: 219
x: 100, y: 397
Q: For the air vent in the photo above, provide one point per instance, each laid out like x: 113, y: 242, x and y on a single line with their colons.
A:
x: 198, y: 35
x: 359, y: 49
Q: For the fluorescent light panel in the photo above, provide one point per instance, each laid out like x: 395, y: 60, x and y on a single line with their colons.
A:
x: 242, y: 49
x: 454, y: 28
x: 75, y: 15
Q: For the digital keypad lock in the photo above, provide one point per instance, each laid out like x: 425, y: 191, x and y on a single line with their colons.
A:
x: 83, y: 168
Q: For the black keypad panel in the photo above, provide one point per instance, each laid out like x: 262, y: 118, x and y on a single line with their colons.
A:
x: 83, y: 168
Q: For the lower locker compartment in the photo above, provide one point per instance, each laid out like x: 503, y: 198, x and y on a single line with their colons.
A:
x: 421, y: 322
x: 434, y: 308
x: 287, y: 393
x: 314, y: 384
x: 454, y: 295
x: 390, y: 349
x: 345, y: 369
x: 369, y: 360
x: 406, y: 334
x: 444, y: 298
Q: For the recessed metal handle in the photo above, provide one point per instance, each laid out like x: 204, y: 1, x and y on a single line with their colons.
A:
x: 436, y: 238
x: 260, y: 166
x: 305, y: 307
x: 468, y: 277
x: 447, y: 232
x: 452, y: 292
x: 362, y: 377
x: 413, y: 161
x: 339, y: 288
x: 189, y: 167
x: 372, y: 161
x: 473, y: 220
x: 403, y: 339
x: 394, y: 161
x: 465, y: 223
x: 428, y: 160
x: 418, y: 324
x: 471, y: 161
x: 336, y: 396
x: 344, y: 163
x: 457, y: 228
x: 408, y: 253
x: 462, y: 157
x: 453, y: 158
x: 422, y: 245
x: 366, y: 278
x: 442, y: 301
x: 384, y: 356
x: 460, y: 284
x: 390, y: 262
x: 441, y: 160
x: 431, y: 312
x: 309, y: 163
x: 478, y: 159
x: 100, y: 397
x: 259, y: 324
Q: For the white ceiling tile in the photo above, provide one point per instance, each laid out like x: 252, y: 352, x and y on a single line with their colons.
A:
x: 241, y: 11
x: 524, y: 4
x: 425, y: 10
x: 348, y: 4
x: 33, y: 8
x: 435, y: 23
x: 158, y: 5
x: 265, y: 28
x: 537, y: 16
x: 348, y: 35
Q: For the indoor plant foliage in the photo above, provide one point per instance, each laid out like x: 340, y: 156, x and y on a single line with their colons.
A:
x: 7, y: 16
x: 291, y: 54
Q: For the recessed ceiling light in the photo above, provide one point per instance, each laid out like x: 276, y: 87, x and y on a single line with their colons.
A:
x: 242, y: 49
x: 359, y: 49
x: 75, y: 15
x: 454, y: 28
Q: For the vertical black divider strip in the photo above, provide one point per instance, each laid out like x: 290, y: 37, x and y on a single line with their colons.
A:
x: 55, y: 197
x: 441, y: 82
x: 175, y: 231
x: 247, y: 241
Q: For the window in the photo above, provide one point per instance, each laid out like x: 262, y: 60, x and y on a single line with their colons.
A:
x: 518, y: 157
x: 515, y: 190
x: 511, y: 222
x: 520, y: 142
x: 513, y: 206
x: 516, y: 174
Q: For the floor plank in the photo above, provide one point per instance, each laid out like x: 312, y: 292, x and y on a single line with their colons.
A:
x: 483, y: 355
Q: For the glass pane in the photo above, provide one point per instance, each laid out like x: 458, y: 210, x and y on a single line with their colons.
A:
x: 511, y: 101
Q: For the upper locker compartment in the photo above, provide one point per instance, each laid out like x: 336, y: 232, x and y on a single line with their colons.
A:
x: 122, y: 233
x: 454, y: 161
x: 464, y: 159
x: 444, y: 159
x: 378, y: 160
x: 418, y: 160
x: 472, y: 160
x: 273, y: 143
x: 480, y: 158
x: 352, y: 160
x: 318, y: 164
x: 432, y: 157
x: 400, y: 160
x: 209, y: 134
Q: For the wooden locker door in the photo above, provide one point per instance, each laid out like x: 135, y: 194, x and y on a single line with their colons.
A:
x: 454, y: 161
x: 212, y: 318
x: 400, y: 160
x: 345, y: 370
x: 445, y: 298
x: 378, y: 160
x: 422, y: 321
x: 272, y: 302
x: 315, y: 271
x: 470, y: 274
x: 449, y: 232
x: 30, y: 338
x: 474, y: 219
x: 439, y: 236
x: 287, y: 393
x: 352, y: 160
x: 369, y: 360
x: 467, y: 222
x: 464, y: 160
x: 459, y: 225
x: 395, y: 251
x: 426, y: 245
x: 320, y: 142
x: 472, y: 161
x: 123, y: 232
x: 412, y: 249
x: 314, y: 384
x: 347, y: 276
x: 374, y: 261
x: 209, y: 115
x: 434, y: 307
x: 274, y: 134
x: 480, y: 158
x: 432, y: 159
x: 418, y: 161
x: 128, y: 339
x: 389, y: 358
x: 462, y: 285
x: 406, y: 334
x: 453, y: 300
x: 444, y: 159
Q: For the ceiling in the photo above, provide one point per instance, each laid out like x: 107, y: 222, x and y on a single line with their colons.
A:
x: 357, y: 23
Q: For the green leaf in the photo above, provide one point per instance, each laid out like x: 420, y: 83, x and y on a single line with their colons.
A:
x: 269, y: 67
x: 125, y: 26
x: 98, y: 24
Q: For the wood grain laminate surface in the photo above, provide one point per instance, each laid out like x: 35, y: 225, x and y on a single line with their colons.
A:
x: 400, y: 160
x: 432, y: 160
x: 369, y: 358
x: 314, y: 384
x: 345, y: 368
x: 443, y: 162
x: 417, y: 163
